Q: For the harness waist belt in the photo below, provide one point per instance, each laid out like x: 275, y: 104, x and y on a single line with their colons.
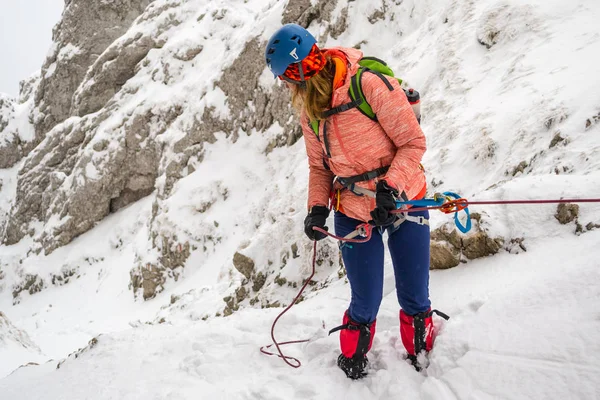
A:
x: 367, y: 176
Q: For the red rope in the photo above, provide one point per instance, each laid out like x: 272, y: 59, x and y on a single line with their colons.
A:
x: 460, y: 204
x: 491, y: 202
x: 277, y: 344
x: 293, y: 361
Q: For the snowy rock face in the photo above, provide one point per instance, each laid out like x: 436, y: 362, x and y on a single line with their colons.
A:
x: 8, y: 147
x: 130, y: 171
x: 253, y: 104
x: 123, y: 143
x: 83, y: 34
x: 72, y: 181
x: 7, y: 110
x: 17, y: 136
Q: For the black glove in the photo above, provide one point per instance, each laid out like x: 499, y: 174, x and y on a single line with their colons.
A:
x: 385, y: 200
x: 316, y: 217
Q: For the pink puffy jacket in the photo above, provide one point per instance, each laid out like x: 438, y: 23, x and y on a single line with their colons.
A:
x: 358, y: 145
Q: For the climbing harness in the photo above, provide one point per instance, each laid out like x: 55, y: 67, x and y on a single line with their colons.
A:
x: 349, y: 183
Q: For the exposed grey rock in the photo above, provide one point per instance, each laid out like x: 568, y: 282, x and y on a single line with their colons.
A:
x: 188, y: 54
x: 244, y: 264
x: 17, y: 137
x: 519, y: 168
x: 556, y: 139
x: 272, y: 105
x: 241, y: 294
x: 341, y: 24
x: 566, y: 213
x: 516, y: 245
x: 233, y: 302
x: 190, y: 146
x: 443, y: 256
x: 30, y: 283
x: 294, y: 11
x: 378, y: 14
x: 590, y: 226
x: 83, y: 34
x: 64, y: 276
x: 149, y: 278
x: 269, y: 106
x: 294, y: 249
x: 276, y: 304
x: 7, y: 109
x: 480, y: 245
x: 162, y: 240
x: 593, y: 120
x: 110, y: 72
x: 448, y: 246
x: 201, y: 131
x: 259, y: 281
x: 9, y: 141
x: 174, y: 256
x: 27, y: 88
x: 230, y: 302
x: 303, y: 13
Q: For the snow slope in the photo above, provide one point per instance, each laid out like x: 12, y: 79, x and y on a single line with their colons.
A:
x: 511, y: 336
x: 508, y: 89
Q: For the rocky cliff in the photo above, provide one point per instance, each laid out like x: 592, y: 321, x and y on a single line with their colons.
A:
x: 103, y: 140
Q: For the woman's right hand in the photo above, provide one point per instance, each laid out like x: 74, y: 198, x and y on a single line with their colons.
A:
x: 385, y: 200
x: 317, y: 217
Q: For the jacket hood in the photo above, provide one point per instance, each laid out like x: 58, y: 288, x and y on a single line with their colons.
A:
x: 352, y: 55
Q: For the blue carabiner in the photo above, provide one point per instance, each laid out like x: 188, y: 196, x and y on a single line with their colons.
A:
x: 463, y: 228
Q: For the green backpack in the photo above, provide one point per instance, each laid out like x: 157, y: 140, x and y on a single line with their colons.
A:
x: 380, y: 68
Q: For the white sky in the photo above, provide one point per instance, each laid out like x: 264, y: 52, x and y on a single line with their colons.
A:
x: 25, y: 37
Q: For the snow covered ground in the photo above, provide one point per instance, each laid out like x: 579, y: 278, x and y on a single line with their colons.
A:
x: 522, y: 327
x: 508, y: 89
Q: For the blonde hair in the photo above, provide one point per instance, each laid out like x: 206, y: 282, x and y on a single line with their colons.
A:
x: 316, y: 97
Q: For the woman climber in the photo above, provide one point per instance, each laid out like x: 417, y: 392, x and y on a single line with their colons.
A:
x: 367, y: 164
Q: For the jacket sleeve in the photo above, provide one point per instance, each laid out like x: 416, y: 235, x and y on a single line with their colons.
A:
x: 398, y: 120
x: 320, y: 179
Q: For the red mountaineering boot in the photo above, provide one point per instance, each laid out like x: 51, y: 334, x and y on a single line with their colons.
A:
x: 418, y: 334
x: 356, y: 340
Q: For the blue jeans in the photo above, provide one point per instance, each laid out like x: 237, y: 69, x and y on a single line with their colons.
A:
x: 409, y: 248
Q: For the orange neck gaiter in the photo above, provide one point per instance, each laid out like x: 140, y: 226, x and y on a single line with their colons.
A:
x: 341, y: 66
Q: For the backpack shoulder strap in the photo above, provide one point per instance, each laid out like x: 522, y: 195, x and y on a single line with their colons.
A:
x: 315, y: 127
x: 356, y: 92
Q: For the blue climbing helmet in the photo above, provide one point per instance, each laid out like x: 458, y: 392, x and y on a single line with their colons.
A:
x: 290, y: 44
